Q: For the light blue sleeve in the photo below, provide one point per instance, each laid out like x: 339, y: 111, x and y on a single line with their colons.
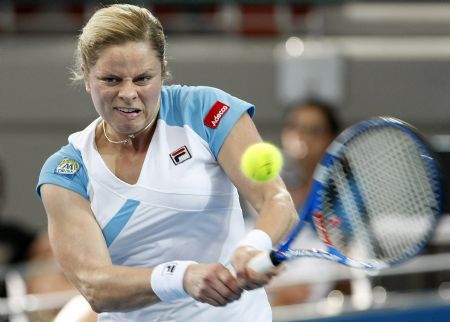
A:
x: 65, y: 168
x: 195, y: 105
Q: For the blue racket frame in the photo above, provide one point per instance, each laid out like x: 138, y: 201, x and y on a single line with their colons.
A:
x: 314, y: 201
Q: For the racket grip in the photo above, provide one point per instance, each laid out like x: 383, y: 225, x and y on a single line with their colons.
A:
x: 263, y: 262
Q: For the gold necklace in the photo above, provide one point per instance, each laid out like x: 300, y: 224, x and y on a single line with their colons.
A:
x: 130, y: 136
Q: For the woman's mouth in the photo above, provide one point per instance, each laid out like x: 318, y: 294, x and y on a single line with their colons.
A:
x: 128, y: 112
x: 128, y: 109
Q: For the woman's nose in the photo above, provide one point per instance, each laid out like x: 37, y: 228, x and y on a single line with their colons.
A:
x: 128, y: 91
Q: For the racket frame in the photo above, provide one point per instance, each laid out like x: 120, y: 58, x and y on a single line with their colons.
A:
x: 314, y: 201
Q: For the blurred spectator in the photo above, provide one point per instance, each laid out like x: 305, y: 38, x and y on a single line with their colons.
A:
x: 43, y: 275
x: 15, y: 240
x: 30, y: 254
x: 308, y: 128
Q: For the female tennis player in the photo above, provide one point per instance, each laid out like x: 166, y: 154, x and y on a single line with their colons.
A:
x: 142, y: 205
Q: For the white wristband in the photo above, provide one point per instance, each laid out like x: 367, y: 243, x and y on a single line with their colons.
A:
x: 258, y: 239
x: 167, y: 280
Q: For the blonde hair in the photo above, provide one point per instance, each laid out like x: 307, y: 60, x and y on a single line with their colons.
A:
x: 116, y: 25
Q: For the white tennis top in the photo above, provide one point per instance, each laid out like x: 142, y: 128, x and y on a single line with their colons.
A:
x: 183, y: 206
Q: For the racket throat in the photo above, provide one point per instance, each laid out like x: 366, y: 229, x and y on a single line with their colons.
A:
x: 277, y: 257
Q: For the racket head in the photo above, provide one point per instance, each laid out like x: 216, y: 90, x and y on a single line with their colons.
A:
x: 376, y: 196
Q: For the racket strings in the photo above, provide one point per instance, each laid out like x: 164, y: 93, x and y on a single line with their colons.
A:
x: 348, y: 233
x: 399, y: 179
x: 381, y: 197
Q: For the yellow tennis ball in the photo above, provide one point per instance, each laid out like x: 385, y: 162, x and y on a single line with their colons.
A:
x: 261, y: 162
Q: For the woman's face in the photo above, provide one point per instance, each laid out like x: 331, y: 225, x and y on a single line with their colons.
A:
x: 125, y: 85
x: 307, y: 135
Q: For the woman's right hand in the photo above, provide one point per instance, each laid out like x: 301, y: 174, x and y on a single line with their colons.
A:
x: 211, y: 283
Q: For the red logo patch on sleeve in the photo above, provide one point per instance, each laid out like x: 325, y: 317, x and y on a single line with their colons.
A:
x: 215, y: 114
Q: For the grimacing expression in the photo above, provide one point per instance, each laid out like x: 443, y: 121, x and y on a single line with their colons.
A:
x: 125, y: 85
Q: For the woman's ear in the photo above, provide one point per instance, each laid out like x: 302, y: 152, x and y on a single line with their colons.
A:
x: 85, y: 71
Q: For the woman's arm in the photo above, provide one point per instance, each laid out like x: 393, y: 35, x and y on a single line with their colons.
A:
x: 271, y: 199
x: 80, y: 249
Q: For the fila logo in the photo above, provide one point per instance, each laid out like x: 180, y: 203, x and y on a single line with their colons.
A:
x: 215, y: 114
x: 180, y: 155
x: 170, y: 268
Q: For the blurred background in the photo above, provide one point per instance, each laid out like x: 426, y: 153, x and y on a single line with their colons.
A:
x: 366, y: 58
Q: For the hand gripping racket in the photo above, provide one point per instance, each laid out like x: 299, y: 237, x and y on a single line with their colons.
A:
x: 374, y: 201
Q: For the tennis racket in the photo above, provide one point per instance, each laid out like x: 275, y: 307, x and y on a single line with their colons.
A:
x: 374, y: 201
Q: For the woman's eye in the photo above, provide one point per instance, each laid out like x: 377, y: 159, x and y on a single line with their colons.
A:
x: 110, y: 80
x: 143, y: 79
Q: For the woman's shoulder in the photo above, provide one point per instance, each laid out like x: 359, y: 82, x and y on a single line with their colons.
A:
x: 184, y: 91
